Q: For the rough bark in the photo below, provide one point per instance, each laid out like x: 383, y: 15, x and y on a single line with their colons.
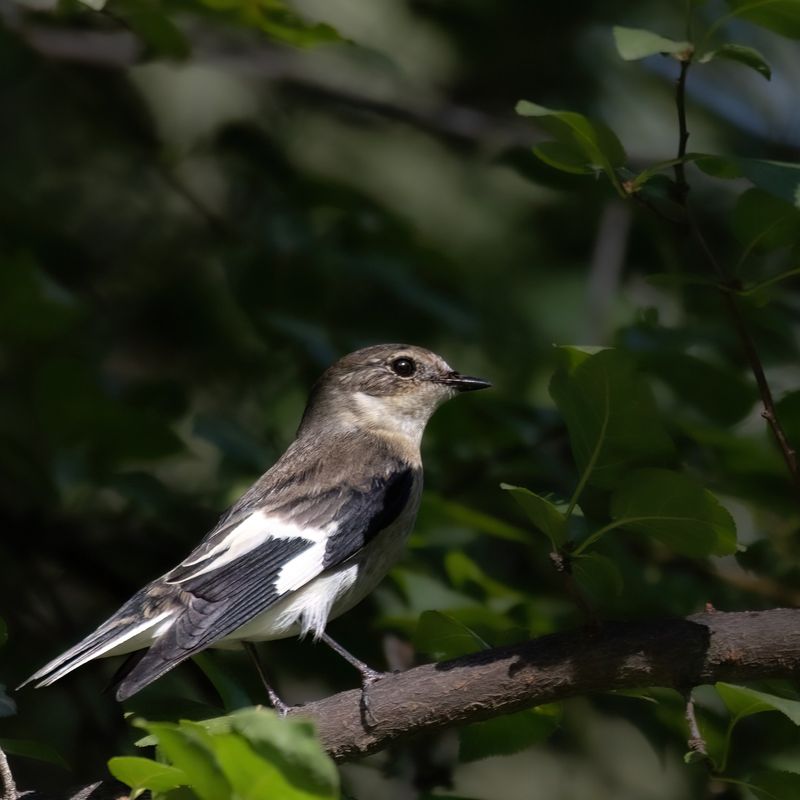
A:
x: 677, y: 653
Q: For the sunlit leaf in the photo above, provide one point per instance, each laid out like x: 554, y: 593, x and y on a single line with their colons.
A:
x: 143, y: 773
x: 635, y: 43
x: 187, y: 751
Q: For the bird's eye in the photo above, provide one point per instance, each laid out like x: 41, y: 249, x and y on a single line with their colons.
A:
x: 404, y: 367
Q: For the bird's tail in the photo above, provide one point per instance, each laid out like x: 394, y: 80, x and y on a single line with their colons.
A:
x: 137, y: 624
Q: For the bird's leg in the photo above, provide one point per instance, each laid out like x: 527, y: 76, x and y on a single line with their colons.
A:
x: 276, y: 702
x: 368, y: 675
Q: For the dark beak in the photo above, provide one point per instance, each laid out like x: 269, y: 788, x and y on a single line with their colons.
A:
x: 465, y: 383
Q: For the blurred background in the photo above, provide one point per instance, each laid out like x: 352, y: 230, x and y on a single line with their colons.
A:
x: 202, y: 206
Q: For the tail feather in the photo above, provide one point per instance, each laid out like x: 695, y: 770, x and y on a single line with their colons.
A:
x: 180, y: 641
x: 124, y: 632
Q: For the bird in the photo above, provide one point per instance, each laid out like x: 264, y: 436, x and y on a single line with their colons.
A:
x: 306, y: 542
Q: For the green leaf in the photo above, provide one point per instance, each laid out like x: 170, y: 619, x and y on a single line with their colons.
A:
x: 583, y: 145
x: 293, y: 747
x: 35, y: 750
x: 564, y: 157
x: 154, y: 27
x: 765, y: 222
x: 779, y: 178
x: 469, y: 517
x: 248, y: 755
x: 277, y: 20
x: 743, y: 702
x: 635, y: 43
x: 502, y: 736
x: 769, y: 784
x: 229, y: 690
x: 724, y: 395
x: 143, y: 773
x: 780, y: 16
x: 542, y: 513
x: 188, y: 751
x: 672, y: 508
x: 743, y: 54
x: 462, y: 570
x: 598, y: 574
x: 442, y: 637
x: 788, y: 409
x: 610, y: 414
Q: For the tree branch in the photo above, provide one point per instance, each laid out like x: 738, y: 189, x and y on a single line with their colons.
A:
x: 676, y: 653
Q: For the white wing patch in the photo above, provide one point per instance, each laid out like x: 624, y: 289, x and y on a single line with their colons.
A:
x: 300, y: 569
x: 252, y: 532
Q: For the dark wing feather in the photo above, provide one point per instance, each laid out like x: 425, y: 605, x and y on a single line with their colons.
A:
x: 367, y: 514
x: 218, y: 602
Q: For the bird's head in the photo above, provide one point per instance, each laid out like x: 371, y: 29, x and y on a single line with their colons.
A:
x: 387, y: 388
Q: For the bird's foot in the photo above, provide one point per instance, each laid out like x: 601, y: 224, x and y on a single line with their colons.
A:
x: 369, y: 677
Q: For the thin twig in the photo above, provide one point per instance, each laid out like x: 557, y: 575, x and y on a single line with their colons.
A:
x: 729, y: 301
x: 769, y: 412
x: 7, y: 785
x: 696, y: 742
x: 563, y: 565
x: 683, y: 130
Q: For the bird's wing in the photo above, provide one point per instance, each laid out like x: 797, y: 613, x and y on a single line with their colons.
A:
x: 259, y: 555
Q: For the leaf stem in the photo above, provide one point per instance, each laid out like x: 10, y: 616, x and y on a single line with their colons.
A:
x: 768, y: 282
x: 592, y: 538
